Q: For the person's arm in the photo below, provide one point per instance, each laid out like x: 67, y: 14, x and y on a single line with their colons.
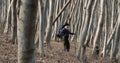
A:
x: 71, y: 33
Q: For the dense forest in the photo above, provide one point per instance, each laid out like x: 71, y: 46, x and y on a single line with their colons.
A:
x: 28, y: 28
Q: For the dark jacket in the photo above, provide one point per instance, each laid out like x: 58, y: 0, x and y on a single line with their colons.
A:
x: 66, y: 34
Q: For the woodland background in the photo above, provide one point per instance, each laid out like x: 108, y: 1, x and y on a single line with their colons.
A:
x: 28, y: 31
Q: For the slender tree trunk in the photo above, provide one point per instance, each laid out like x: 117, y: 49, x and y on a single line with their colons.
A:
x: 14, y: 19
x: 81, y: 48
x: 61, y: 11
x: 105, y: 33
x: 96, y: 46
x: 49, y: 22
x: 115, y: 44
x: 42, y: 26
x: 91, y: 23
x: 56, y: 24
x: 26, y: 31
x: 8, y: 20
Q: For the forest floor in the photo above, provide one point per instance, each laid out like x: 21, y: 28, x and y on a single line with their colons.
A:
x: 8, y: 53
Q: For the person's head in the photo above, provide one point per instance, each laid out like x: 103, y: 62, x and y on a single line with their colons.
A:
x: 67, y: 27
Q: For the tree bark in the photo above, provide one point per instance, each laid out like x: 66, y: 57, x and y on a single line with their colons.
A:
x: 61, y: 11
x: 105, y: 33
x: 42, y: 26
x: 14, y: 19
x: 116, y: 42
x: 81, y: 48
x: 49, y: 22
x: 96, y: 46
x: 26, y: 31
x: 9, y: 14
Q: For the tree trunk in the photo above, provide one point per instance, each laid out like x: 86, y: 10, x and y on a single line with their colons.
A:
x: 115, y: 44
x: 105, y: 33
x: 42, y: 26
x: 96, y: 46
x: 26, y: 31
x: 61, y: 11
x: 9, y: 14
x: 49, y: 22
x: 91, y: 23
x: 81, y: 48
x: 14, y: 23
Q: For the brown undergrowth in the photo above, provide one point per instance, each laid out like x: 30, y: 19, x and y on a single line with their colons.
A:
x: 8, y: 53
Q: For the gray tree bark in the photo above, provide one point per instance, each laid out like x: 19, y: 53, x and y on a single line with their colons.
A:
x: 96, y: 46
x: 42, y: 26
x: 14, y: 23
x: 9, y: 14
x: 49, y: 22
x: 26, y: 31
x: 81, y: 48
x: 116, y: 42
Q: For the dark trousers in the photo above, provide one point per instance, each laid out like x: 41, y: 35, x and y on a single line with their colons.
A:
x: 66, y: 45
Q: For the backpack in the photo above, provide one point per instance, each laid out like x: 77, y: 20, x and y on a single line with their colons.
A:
x: 60, y: 28
x: 60, y: 31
